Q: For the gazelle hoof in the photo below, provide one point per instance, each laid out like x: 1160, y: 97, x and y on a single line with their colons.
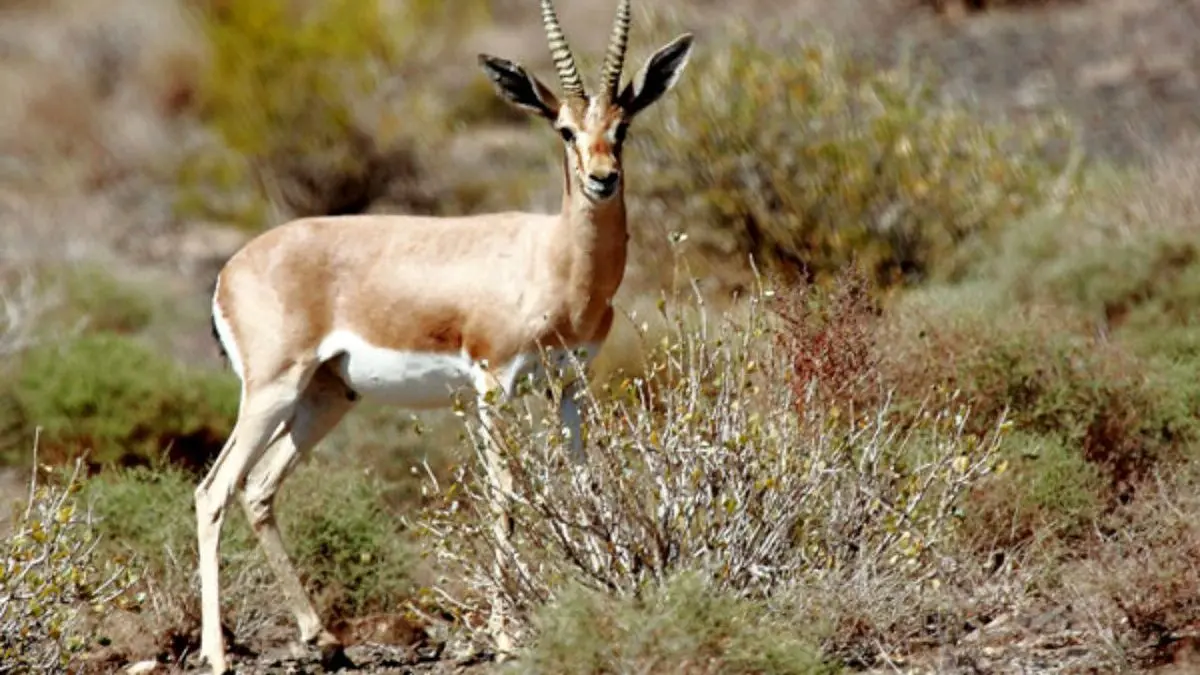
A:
x: 333, y: 658
x: 217, y: 666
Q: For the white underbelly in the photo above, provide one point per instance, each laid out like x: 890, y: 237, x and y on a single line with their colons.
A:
x: 415, y: 380
x: 422, y: 380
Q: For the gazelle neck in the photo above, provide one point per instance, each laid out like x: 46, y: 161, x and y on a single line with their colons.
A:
x: 592, y: 239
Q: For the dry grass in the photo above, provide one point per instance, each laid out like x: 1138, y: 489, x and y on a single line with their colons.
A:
x: 1139, y: 584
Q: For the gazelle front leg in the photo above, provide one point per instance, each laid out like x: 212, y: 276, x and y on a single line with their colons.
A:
x: 500, y: 485
x: 572, y: 421
x: 573, y: 368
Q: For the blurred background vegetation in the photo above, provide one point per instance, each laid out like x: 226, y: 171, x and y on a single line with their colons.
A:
x: 1015, y: 182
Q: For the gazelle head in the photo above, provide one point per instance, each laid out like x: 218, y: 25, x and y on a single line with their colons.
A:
x: 592, y: 126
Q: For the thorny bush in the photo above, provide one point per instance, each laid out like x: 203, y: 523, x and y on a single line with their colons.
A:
x: 49, y: 576
x: 720, y: 474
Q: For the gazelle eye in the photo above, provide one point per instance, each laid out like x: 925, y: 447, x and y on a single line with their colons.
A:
x: 567, y: 134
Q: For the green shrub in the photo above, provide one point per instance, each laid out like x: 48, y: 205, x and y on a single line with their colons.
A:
x: 1123, y: 257
x: 1049, y: 491
x: 1043, y: 364
x: 349, y: 545
x: 52, y: 582
x: 118, y: 401
x: 146, y: 516
x: 685, y: 626
x: 346, y: 544
x: 808, y: 159
x: 1132, y: 270
x: 145, y: 511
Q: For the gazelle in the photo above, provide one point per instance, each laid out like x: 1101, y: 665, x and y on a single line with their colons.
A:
x: 318, y: 312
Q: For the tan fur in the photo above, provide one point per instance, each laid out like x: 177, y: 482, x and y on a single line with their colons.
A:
x: 495, y: 285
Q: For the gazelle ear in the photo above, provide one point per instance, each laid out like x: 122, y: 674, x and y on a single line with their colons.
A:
x: 519, y: 88
x: 656, y: 78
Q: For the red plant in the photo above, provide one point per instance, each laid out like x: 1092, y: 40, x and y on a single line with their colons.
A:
x: 831, y: 334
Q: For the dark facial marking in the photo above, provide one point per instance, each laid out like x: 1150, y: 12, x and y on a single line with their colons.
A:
x: 619, y: 135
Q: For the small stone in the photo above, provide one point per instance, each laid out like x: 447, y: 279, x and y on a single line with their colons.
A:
x: 142, y: 667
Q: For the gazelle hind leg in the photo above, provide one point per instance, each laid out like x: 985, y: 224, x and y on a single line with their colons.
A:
x: 324, y: 403
x: 262, y: 411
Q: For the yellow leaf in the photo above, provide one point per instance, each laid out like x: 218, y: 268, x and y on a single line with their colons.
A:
x: 960, y: 464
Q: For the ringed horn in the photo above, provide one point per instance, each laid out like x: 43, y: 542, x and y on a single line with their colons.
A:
x: 560, y: 51
x: 564, y: 61
x: 614, y: 58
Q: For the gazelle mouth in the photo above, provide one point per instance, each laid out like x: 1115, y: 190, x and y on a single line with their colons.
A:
x: 598, y: 190
x: 602, y: 188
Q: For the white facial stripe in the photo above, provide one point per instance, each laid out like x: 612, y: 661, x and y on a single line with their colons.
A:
x: 594, y: 111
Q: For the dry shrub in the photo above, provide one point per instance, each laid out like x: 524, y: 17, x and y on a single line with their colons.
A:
x: 295, y: 94
x: 1090, y: 417
x: 724, y: 476
x: 683, y: 626
x: 23, y: 305
x: 1139, y: 584
x: 944, y: 6
x: 52, y: 582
